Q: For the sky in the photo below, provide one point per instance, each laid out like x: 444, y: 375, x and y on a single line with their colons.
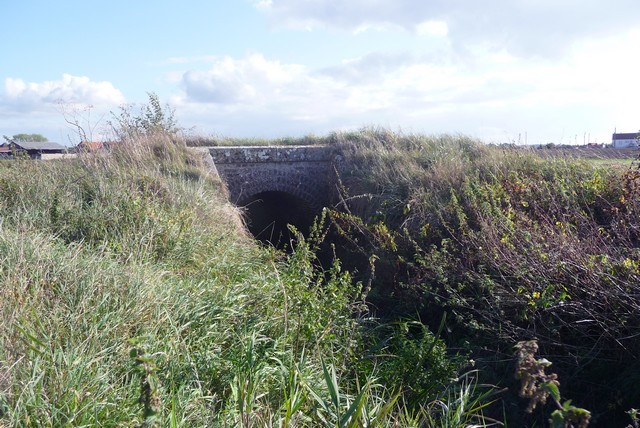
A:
x: 504, y: 71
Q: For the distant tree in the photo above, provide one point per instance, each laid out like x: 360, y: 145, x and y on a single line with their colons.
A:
x: 24, y: 138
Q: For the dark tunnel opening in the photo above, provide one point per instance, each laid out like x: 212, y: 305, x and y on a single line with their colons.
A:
x: 268, y: 214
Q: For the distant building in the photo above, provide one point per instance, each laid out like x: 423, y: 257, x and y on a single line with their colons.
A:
x: 625, y: 140
x: 87, y: 146
x: 5, y: 151
x: 35, y: 149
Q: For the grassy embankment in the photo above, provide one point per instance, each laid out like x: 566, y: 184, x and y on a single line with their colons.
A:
x: 131, y: 296
x: 511, y: 243
x: 511, y: 246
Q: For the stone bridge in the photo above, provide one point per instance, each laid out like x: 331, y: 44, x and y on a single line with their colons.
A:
x: 276, y: 185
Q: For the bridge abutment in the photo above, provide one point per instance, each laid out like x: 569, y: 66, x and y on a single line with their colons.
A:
x: 276, y: 184
x: 303, y: 171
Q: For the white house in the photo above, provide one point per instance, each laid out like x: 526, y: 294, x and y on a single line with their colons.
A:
x: 625, y: 139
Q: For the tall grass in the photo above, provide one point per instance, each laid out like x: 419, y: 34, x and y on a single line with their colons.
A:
x: 207, y: 141
x: 510, y: 245
x: 131, y: 296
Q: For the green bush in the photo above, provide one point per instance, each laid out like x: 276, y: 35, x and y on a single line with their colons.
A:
x: 510, y: 245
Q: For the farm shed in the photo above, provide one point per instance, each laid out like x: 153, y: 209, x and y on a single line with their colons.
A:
x: 625, y: 139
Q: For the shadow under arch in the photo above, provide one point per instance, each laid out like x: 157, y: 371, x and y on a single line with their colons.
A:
x: 268, y: 213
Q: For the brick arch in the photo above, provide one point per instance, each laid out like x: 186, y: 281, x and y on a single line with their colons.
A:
x: 306, y: 185
x: 302, y: 171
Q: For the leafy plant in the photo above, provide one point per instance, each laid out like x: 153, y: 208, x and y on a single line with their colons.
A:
x: 537, y: 386
x: 145, y: 120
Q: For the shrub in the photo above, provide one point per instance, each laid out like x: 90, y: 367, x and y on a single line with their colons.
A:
x: 509, y: 244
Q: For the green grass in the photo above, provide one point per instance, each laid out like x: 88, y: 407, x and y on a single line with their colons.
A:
x: 132, y: 296
x: 619, y: 163
x: 199, y: 141
x: 508, y: 244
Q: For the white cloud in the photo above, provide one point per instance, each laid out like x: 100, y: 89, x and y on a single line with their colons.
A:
x: 495, y: 95
x: 42, y: 107
x: 374, y: 82
x: 432, y: 28
x: 252, y: 82
x: 373, y: 88
x: 263, y: 4
x: 540, y: 28
x: 70, y: 90
x: 381, y: 27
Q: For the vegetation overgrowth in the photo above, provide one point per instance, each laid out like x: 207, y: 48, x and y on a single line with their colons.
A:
x: 132, y: 296
x: 510, y: 246
x: 203, y: 141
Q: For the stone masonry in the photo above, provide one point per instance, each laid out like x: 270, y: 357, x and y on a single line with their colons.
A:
x: 302, y: 171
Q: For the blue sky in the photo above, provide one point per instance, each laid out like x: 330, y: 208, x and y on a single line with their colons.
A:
x: 506, y: 70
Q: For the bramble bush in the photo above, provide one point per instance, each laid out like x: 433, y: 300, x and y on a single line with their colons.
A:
x: 510, y: 245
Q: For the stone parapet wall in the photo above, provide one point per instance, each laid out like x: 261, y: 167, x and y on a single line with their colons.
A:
x: 305, y: 172
x: 269, y: 154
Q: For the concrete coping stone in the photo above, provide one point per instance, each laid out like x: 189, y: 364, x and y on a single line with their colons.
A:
x: 266, y: 154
